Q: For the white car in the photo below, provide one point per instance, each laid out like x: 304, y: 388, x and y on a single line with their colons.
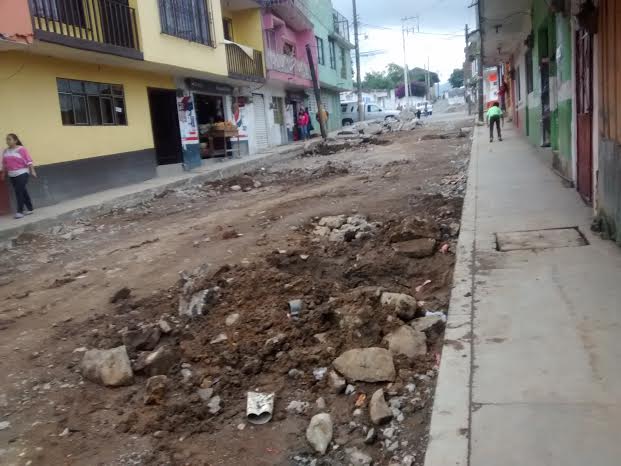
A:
x: 422, y: 105
x: 349, y: 112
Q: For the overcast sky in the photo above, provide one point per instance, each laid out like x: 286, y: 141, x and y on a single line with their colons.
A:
x: 441, y: 35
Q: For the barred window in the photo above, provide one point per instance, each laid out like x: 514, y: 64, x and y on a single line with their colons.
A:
x: 186, y: 19
x: 321, y: 58
x: 86, y: 103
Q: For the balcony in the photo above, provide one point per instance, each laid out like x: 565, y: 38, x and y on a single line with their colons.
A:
x: 294, y: 12
x: 287, y: 64
x: 341, y: 30
x: 242, y: 66
x: 105, y: 26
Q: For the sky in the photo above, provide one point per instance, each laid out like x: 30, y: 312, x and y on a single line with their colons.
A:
x: 441, y: 36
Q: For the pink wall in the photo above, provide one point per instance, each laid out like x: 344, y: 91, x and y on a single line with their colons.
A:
x: 15, y: 22
x: 285, y: 33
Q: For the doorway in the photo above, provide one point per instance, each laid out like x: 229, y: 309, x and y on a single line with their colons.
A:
x: 584, y: 110
x: 544, y: 67
x: 165, y: 126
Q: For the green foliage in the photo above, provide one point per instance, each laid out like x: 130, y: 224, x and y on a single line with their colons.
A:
x: 457, y: 78
x: 392, y: 78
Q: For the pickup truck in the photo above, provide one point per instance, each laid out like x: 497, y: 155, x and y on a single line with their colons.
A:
x: 349, y: 112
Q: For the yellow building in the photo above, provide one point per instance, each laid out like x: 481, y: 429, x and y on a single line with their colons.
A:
x: 105, y: 93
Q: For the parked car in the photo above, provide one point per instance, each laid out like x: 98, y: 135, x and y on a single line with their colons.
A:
x: 371, y: 112
x: 421, y: 106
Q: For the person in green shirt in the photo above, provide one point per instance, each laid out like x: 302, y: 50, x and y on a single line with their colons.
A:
x: 494, y: 114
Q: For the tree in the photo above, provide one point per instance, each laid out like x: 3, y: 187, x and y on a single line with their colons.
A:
x: 457, y: 78
x: 420, y: 75
x: 417, y: 88
x: 376, y: 80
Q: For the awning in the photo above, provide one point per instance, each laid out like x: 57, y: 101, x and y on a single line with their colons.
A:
x: 247, y: 50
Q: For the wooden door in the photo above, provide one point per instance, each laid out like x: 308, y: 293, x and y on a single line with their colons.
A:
x: 584, y: 109
x: 165, y: 125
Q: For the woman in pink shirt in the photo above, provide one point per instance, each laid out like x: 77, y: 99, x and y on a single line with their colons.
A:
x: 17, y: 163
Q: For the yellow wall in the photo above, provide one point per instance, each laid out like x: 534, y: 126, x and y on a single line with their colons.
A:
x: 170, y: 50
x: 247, y: 27
x: 30, y: 107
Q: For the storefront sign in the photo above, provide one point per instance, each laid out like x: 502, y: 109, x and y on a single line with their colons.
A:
x: 208, y: 87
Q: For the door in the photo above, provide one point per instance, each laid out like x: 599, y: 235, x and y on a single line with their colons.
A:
x: 544, y: 67
x: 584, y: 110
x: 165, y: 126
x: 260, y: 121
x: 5, y: 200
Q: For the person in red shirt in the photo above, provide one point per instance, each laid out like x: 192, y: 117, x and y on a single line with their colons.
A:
x: 18, y: 165
x: 303, y: 121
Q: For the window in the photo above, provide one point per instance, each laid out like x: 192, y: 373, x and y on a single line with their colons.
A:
x: 529, y: 72
x: 86, y: 103
x: 59, y: 10
x: 277, y: 104
x: 343, y: 63
x: 186, y: 19
x: 228, y: 28
x: 288, y: 49
x: 270, y: 39
x: 373, y: 108
x: 320, y: 55
x: 332, y: 51
x: 344, y: 108
x: 519, y: 83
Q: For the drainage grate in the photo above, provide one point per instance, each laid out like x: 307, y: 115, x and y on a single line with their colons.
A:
x: 569, y: 237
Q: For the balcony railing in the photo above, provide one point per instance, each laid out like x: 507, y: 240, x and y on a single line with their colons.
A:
x: 287, y: 64
x: 241, y: 66
x: 341, y: 25
x: 107, y: 26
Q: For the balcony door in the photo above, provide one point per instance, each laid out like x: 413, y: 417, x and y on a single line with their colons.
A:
x: 116, y: 23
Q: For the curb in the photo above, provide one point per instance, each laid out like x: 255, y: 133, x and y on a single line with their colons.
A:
x: 449, y: 433
x: 131, y: 200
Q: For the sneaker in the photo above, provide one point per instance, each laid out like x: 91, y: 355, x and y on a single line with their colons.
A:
x: 500, y: 139
x: 491, y: 139
x: 30, y: 212
x: 18, y: 215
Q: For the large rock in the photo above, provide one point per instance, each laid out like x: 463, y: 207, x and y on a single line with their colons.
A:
x: 366, y: 365
x: 416, y: 248
x: 155, y: 391
x: 160, y: 361
x: 108, y: 367
x: 407, y: 342
x: 144, y: 339
x: 319, y: 432
x: 404, y: 305
x: 335, y: 221
x: 379, y: 411
x: 428, y: 324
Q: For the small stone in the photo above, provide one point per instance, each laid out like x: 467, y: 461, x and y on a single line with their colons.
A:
x: 350, y: 389
x: 298, y: 407
x: 236, y: 187
x: 416, y: 248
x: 428, y: 324
x: 164, y: 326
x: 304, y: 256
x: 366, y: 365
x: 205, y: 394
x: 241, y: 426
x: 155, y: 390
x: 120, y: 295
x: 337, y: 383
x: 407, y: 342
x: 186, y: 374
x: 231, y: 319
x: 214, y: 405
x: 371, y: 436
x: 4, y: 425
x: 295, y: 373
x: 332, y: 222
x: 321, y: 404
x: 219, y: 339
x: 319, y: 373
x: 404, y: 305
x: 321, y: 231
x: 389, y: 432
x: 319, y: 432
x: 111, y: 367
x: 145, y: 339
x: 358, y: 458
x: 160, y: 361
x: 379, y: 411
x: 64, y: 433
x: 81, y: 349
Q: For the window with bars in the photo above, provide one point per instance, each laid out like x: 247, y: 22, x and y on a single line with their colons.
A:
x: 227, y: 23
x: 86, y: 103
x: 343, y: 63
x: 186, y: 19
x: 332, y: 51
x: 321, y: 58
x: 530, y: 85
x: 65, y: 11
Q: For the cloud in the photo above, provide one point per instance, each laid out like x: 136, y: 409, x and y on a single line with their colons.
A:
x: 441, y: 36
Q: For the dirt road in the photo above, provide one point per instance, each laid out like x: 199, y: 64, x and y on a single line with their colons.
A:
x: 260, y: 237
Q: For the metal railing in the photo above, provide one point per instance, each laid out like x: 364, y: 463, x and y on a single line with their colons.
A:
x: 108, y: 22
x: 187, y: 19
x: 286, y: 64
x: 241, y: 66
x: 341, y: 25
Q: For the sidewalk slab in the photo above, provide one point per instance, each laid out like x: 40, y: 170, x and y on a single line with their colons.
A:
x: 131, y: 195
x: 544, y: 385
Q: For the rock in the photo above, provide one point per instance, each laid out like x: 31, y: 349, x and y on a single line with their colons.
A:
x: 321, y: 231
x: 335, y: 221
x: 366, y: 365
x: 160, y: 361
x: 428, y: 324
x: 454, y: 228
x: 145, y: 339
x: 295, y: 373
x: 416, y: 248
x: 407, y: 342
x: 358, y: 458
x: 404, y: 305
x: 155, y: 390
x: 120, y: 295
x: 321, y: 337
x: 379, y: 411
x: 298, y: 407
x: 371, y: 436
x: 408, y: 460
x: 214, y: 405
x: 236, y: 187
x: 107, y: 367
x: 205, y: 394
x: 350, y: 389
x: 231, y: 319
x: 219, y: 339
x: 337, y: 383
x: 257, y: 184
x: 321, y: 404
x: 164, y: 326
x: 319, y: 432
x: 199, y: 303
x: 319, y: 373
x: 389, y: 432
x: 4, y: 425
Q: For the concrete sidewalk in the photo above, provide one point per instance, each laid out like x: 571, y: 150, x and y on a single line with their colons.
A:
x: 134, y: 194
x: 530, y: 367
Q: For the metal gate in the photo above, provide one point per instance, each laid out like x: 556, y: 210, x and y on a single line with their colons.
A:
x: 260, y: 121
x: 584, y: 109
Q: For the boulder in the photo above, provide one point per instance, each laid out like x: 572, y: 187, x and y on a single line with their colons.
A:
x: 319, y: 432
x: 144, y: 339
x: 107, y: 367
x: 335, y: 221
x: 404, y: 305
x: 321, y: 231
x: 159, y: 362
x: 407, y: 342
x: 379, y: 411
x: 428, y: 324
x: 416, y: 248
x: 155, y: 390
x: 366, y: 365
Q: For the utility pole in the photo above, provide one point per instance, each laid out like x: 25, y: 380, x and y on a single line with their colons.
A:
x: 311, y: 64
x: 481, y: 107
x: 404, y: 31
x: 466, y: 85
x: 428, y: 79
x: 358, y: 77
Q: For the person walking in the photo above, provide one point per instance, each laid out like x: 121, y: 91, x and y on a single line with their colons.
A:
x: 18, y: 165
x: 310, y: 122
x: 303, y: 124
x: 494, y: 114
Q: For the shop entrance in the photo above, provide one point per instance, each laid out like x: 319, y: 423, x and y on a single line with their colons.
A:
x: 209, y: 111
x: 165, y: 126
